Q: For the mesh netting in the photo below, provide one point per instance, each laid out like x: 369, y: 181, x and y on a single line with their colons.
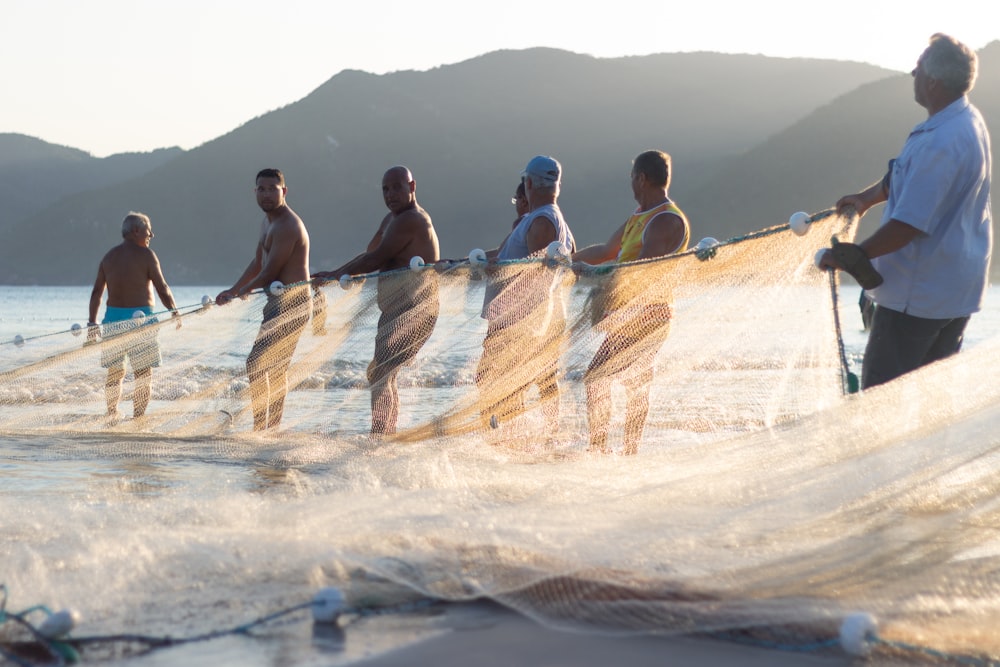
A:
x: 724, y: 339
x: 765, y: 502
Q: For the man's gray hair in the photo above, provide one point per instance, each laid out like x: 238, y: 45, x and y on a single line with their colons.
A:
x: 135, y: 220
x: 950, y: 62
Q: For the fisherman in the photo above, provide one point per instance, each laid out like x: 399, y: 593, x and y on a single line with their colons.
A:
x: 282, y: 256
x: 408, y: 301
x: 635, y: 317
x: 526, y: 317
x: 927, y: 266
x: 130, y: 271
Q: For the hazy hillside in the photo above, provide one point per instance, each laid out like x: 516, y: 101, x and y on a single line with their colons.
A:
x: 840, y: 148
x: 466, y: 131
x: 35, y: 174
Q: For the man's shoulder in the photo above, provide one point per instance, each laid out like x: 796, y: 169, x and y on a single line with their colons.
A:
x: 289, y: 223
x: 417, y: 214
x: 410, y: 219
x: 125, y: 252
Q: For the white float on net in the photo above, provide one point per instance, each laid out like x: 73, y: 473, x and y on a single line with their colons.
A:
x: 277, y: 288
x: 327, y: 604
x: 59, y: 624
x: 799, y: 223
x: 477, y: 256
x: 76, y: 329
x: 416, y: 263
x: 857, y: 633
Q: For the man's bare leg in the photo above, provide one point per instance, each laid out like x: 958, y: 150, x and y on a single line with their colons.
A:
x: 599, y: 413
x: 385, y: 405
x: 113, y: 389
x: 141, y: 393
x: 278, y: 390
x: 636, y: 410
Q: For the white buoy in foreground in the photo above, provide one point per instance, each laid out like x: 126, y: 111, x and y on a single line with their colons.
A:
x: 707, y: 243
x: 206, y: 301
x: 818, y: 257
x: 799, y: 223
x: 76, y: 329
x: 477, y: 256
x: 138, y: 315
x: 856, y: 633
x: 345, y: 282
x: 277, y: 288
x: 19, y: 340
x: 58, y: 625
x: 416, y: 262
x: 327, y: 605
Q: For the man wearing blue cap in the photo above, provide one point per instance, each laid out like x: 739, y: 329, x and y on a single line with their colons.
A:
x: 524, y: 306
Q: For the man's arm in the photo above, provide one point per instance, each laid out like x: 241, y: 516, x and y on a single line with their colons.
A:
x: 602, y: 252
x: 372, y: 246
x: 864, y: 200
x: 161, y: 287
x: 253, y: 268
x: 888, y: 238
x: 95, y: 301
x: 388, y: 245
x: 284, y: 238
x: 540, y: 234
x: 663, y: 235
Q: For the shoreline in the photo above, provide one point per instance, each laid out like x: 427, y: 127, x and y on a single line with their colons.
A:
x: 490, y: 635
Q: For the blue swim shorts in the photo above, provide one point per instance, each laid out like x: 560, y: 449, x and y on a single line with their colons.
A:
x: 127, y: 336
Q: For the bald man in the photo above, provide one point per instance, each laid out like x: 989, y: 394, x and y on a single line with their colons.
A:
x: 408, y: 300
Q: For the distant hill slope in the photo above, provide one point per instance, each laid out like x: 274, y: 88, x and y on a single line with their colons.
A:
x: 840, y: 148
x: 466, y: 131
x: 35, y: 174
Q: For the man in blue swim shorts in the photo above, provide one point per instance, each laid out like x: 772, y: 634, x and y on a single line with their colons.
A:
x: 130, y: 271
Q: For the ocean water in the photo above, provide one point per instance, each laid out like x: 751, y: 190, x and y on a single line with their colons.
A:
x: 184, y: 536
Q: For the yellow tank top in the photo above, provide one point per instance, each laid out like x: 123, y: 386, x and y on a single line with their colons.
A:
x: 636, y: 226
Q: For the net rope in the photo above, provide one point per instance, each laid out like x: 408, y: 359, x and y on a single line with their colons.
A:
x: 703, y: 318
x: 766, y: 503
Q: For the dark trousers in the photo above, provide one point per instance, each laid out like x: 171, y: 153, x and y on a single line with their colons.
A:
x: 900, y: 343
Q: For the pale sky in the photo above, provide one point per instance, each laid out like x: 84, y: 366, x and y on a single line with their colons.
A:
x: 110, y: 76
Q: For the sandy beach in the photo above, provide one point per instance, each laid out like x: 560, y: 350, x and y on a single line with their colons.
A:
x: 488, y: 635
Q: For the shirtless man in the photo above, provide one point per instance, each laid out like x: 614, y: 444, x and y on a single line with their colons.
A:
x: 408, y: 300
x: 282, y: 255
x: 130, y: 271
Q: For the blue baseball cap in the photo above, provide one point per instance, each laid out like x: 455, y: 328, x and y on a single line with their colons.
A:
x: 543, y: 170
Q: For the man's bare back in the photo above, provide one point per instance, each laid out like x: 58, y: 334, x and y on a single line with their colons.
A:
x: 130, y: 272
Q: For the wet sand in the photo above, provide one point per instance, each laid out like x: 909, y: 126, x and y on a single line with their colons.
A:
x: 490, y: 636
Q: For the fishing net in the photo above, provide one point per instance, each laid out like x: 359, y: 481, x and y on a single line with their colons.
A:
x: 722, y: 339
x: 766, y: 503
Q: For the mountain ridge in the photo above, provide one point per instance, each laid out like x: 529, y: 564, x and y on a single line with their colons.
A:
x: 466, y: 130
